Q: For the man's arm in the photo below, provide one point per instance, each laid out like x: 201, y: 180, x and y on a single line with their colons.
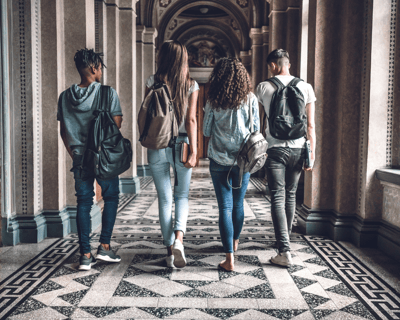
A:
x: 64, y: 138
x: 118, y: 121
x: 310, y: 109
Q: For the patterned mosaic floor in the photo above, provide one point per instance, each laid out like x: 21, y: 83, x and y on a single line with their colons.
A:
x: 325, y: 282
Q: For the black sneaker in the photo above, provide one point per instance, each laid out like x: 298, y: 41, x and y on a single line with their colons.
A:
x: 107, y: 255
x: 86, y: 263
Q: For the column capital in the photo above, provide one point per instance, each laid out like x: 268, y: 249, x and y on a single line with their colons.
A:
x: 150, y: 34
x: 256, y: 36
x: 121, y: 4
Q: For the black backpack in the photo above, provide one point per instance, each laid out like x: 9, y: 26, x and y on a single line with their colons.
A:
x: 108, y: 153
x: 287, y: 115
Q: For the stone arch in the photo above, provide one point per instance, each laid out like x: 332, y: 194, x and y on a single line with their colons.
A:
x: 228, y: 35
x: 179, y: 6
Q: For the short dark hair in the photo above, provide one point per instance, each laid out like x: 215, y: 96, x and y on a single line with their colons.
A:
x: 85, y: 58
x: 278, y: 56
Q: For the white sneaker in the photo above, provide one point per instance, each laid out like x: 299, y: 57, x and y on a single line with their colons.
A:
x: 179, y: 254
x: 170, y: 261
x: 283, y: 259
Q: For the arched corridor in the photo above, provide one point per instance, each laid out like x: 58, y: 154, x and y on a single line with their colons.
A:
x: 347, y: 232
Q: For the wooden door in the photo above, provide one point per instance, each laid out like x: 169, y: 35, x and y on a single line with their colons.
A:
x: 202, y: 142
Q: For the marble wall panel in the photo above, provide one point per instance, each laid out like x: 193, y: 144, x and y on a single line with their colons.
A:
x: 391, y: 203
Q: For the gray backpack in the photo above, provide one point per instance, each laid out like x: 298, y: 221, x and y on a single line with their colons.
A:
x: 158, y: 127
x: 252, y: 153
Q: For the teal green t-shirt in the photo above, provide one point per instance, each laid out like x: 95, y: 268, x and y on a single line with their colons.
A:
x: 75, y: 109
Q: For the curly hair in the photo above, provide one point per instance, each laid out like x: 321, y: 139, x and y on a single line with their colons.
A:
x: 229, y: 84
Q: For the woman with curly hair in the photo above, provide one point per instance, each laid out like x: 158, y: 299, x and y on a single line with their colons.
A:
x: 227, y: 122
x: 173, y: 69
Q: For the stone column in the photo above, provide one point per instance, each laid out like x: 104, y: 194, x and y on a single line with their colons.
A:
x: 113, y: 41
x: 265, y: 33
x: 278, y: 24
x: 25, y: 222
x: 304, y: 39
x: 245, y: 56
x: 377, y: 105
x: 141, y: 157
x: 293, y: 36
x: 129, y: 182
x: 257, y: 56
x: 330, y: 192
x: 52, y: 71
x: 100, y: 11
x: 6, y: 194
x: 145, y: 62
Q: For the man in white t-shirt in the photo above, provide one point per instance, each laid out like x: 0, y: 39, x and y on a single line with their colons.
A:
x: 285, y: 157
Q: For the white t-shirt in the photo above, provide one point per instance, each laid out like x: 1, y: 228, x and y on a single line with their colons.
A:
x: 193, y: 88
x: 264, y: 93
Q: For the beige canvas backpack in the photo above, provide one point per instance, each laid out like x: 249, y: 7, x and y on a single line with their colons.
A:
x: 158, y: 127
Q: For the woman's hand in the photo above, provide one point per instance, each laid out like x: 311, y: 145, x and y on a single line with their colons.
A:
x: 192, y: 161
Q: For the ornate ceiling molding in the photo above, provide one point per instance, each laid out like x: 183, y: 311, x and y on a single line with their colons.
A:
x: 174, y: 9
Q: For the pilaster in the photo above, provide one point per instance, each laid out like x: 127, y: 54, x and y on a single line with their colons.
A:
x: 129, y: 182
x: 256, y: 36
x: 145, y: 67
x: 246, y: 58
x: 265, y: 46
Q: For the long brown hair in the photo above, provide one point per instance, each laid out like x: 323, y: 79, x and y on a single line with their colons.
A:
x: 229, y: 84
x: 173, y: 69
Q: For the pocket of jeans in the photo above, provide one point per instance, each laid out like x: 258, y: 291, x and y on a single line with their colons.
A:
x: 153, y: 156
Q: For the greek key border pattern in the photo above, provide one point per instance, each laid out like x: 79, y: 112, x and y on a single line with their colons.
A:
x: 37, y: 101
x: 15, y: 289
x: 379, y: 297
x: 392, y: 52
x: 364, y: 103
x: 24, y: 145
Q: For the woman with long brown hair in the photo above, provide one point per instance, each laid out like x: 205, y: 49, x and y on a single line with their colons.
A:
x: 173, y: 69
x: 227, y: 122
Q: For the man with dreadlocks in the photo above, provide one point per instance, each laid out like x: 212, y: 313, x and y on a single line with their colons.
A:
x: 75, y: 113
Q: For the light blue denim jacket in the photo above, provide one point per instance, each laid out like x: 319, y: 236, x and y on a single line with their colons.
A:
x: 228, y: 128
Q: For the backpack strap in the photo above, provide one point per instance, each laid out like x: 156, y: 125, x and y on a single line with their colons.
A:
x: 105, y: 98
x: 278, y: 83
x: 294, y: 82
x: 251, y: 118
x: 241, y: 168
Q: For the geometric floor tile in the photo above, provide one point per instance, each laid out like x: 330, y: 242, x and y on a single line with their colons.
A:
x: 325, y: 282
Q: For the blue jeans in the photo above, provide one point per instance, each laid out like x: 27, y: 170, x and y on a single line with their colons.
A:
x: 84, y: 188
x: 230, y: 202
x: 284, y: 166
x: 160, y: 162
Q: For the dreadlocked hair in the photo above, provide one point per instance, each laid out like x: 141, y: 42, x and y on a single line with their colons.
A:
x: 229, y: 84
x: 86, y: 58
x: 173, y: 69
